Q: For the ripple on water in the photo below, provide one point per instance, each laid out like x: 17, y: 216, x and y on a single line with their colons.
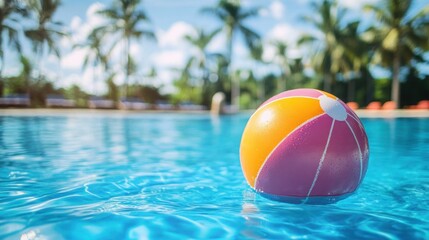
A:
x: 176, y: 176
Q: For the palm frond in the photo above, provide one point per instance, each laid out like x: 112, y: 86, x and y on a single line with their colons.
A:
x: 250, y: 37
x: 249, y: 13
x: 148, y: 35
x: 305, y: 39
x: 216, y: 12
x: 380, y: 13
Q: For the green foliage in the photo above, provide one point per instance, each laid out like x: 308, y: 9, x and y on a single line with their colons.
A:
x: 399, y: 37
x: 341, y: 54
x: 112, y: 89
x: 75, y: 93
x: 149, y: 94
x: 416, y: 88
x: 382, y: 87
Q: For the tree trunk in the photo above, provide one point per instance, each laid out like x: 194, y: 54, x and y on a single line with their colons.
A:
x: 2, y: 83
x: 286, y: 73
x: 262, y: 91
x: 127, y: 66
x: 281, y: 83
x: 395, y: 96
x: 369, y: 85
x: 327, y: 82
x: 235, y: 93
x: 205, y: 98
x: 94, y: 81
x: 351, y: 90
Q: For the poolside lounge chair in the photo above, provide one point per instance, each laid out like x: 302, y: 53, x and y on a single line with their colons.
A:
x: 389, y: 105
x: 15, y: 100
x: 163, y: 105
x: 189, y: 106
x: 374, y: 106
x: 133, y: 104
x: 101, y: 103
x: 58, y: 101
x: 423, y: 104
x: 353, y: 105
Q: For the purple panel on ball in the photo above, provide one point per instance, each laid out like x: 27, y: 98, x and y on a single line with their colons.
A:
x: 303, y: 92
x: 291, y: 167
x: 339, y: 173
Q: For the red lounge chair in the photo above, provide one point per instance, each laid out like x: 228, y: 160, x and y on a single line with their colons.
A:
x: 424, y: 104
x: 374, y: 106
x: 389, y: 105
x: 353, y: 105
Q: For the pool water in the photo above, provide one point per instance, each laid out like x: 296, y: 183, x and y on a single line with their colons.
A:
x: 173, y: 176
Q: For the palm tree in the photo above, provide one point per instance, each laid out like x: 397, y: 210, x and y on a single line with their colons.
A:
x: 283, y: 61
x: 358, y: 54
x: 47, y: 31
x: 124, y: 19
x: 329, y: 52
x: 200, y: 41
x: 401, y: 36
x: 10, y: 13
x: 94, y: 53
x: 232, y: 15
x: 257, y: 55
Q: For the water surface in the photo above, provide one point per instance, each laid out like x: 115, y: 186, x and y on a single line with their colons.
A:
x: 173, y: 176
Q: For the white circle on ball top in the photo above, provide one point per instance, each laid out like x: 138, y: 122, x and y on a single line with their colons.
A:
x: 333, y: 108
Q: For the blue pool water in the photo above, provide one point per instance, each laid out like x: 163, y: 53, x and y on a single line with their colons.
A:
x: 166, y: 176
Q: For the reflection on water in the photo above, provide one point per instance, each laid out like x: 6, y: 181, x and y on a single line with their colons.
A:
x: 177, y: 176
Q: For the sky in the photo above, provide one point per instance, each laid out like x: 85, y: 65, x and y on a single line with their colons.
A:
x: 171, y: 20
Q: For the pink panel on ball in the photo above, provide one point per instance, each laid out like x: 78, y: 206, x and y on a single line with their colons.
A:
x: 290, y: 169
x: 362, y: 139
x: 303, y: 92
x: 339, y: 173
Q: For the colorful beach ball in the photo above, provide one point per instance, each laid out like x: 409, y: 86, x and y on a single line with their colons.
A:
x: 304, y: 146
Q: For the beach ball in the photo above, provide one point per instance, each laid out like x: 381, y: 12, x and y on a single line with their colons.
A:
x: 304, y: 146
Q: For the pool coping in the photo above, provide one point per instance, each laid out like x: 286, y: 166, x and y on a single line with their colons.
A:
x: 363, y: 113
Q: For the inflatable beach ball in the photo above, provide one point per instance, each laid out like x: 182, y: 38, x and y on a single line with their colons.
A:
x: 304, y: 146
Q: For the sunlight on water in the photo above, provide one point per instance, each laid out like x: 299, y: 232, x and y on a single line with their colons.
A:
x: 178, y: 176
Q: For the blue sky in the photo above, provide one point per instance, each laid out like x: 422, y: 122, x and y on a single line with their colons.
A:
x: 171, y: 20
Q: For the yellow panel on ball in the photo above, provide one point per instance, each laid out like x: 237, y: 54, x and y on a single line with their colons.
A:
x: 271, y: 123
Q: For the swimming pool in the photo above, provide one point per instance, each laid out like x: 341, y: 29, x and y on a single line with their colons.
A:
x: 176, y: 176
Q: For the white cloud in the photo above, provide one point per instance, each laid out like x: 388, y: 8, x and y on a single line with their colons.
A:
x: 92, y: 17
x: 282, y: 33
x: 90, y: 80
x: 170, y: 59
x: 75, y: 23
x: 275, y: 10
x: 74, y: 59
x: 356, y: 4
x: 174, y: 36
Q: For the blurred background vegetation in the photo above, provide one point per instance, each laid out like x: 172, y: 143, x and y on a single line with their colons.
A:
x: 340, y: 60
